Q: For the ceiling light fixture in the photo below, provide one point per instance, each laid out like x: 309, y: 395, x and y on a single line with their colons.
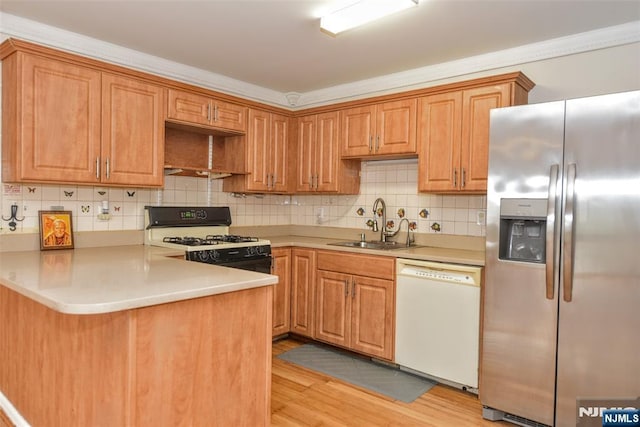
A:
x: 361, y: 12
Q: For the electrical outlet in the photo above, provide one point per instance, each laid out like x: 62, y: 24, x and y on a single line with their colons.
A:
x: 481, y: 217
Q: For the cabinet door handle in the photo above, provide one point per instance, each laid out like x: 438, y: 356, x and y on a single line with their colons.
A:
x: 464, y: 178
x: 273, y: 180
x: 316, y: 187
x: 346, y: 288
x: 98, y: 168
x: 215, y: 113
x: 208, y: 112
x: 370, y: 143
x: 353, y: 288
x: 108, y: 168
x: 455, y: 177
x: 311, y: 182
x: 377, y: 143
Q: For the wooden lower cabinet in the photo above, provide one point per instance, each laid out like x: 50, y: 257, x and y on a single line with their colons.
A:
x: 354, y: 308
x: 198, y: 362
x: 303, y: 278
x: 281, y: 267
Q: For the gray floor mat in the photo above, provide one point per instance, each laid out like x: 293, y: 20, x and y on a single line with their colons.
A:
x: 389, y: 381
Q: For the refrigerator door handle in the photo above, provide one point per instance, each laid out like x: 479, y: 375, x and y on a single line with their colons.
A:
x: 553, y: 237
x: 567, y: 267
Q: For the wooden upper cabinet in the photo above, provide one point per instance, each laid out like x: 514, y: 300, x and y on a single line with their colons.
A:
x: 320, y: 168
x: 454, y: 138
x: 474, y: 148
x: 132, y: 132
x: 266, y: 154
x: 306, y: 154
x: 258, y: 150
x: 440, y: 135
x: 278, y: 153
x: 358, y: 131
x: 50, y: 121
x: 202, y: 110
x: 387, y: 129
x: 68, y: 123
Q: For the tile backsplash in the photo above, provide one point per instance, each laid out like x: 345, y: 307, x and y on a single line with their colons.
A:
x: 394, y: 181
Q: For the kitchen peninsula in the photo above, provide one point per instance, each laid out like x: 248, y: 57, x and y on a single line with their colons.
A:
x: 130, y: 336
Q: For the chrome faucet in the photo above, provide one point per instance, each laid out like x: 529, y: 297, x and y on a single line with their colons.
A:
x: 383, y: 229
x: 410, y: 240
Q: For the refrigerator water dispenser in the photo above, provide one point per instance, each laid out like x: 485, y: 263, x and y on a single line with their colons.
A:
x: 523, y: 230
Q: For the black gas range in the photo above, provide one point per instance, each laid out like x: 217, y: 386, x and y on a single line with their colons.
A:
x: 203, y: 234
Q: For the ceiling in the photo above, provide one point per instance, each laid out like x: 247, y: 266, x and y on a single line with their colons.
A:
x: 277, y: 44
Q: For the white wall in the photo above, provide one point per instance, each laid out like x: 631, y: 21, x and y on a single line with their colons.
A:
x: 595, y: 72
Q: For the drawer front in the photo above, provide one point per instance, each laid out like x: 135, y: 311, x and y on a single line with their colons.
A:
x: 363, y: 265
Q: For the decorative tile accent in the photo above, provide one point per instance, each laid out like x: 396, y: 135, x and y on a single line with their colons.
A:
x: 395, y: 183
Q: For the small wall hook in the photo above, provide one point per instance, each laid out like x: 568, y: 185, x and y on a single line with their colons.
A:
x: 13, y: 218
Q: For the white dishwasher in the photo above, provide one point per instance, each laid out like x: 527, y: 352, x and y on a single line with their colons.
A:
x: 438, y: 321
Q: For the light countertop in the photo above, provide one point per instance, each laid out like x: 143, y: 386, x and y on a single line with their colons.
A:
x: 425, y: 253
x: 121, y: 277
x: 108, y: 279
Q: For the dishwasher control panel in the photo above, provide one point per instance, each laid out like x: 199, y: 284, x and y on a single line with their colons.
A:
x: 440, y: 275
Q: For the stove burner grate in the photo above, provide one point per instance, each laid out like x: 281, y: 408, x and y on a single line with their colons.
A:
x: 229, y: 238
x: 187, y: 241
x: 209, y: 240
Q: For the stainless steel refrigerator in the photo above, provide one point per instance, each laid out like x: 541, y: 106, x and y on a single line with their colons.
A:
x: 561, y: 310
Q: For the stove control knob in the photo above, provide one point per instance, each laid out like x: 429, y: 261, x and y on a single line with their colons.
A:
x: 259, y: 250
x: 213, y: 254
x: 251, y: 250
x: 203, y: 256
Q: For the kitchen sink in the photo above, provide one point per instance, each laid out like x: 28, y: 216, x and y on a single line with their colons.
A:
x: 372, y: 244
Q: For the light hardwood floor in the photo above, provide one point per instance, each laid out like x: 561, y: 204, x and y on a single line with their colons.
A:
x: 301, y: 397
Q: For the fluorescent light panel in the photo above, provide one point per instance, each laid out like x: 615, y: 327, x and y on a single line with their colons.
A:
x: 361, y: 12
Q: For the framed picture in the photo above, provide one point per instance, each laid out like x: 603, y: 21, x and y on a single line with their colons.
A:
x: 56, y: 230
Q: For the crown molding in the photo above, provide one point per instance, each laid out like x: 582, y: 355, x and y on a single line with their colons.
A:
x: 14, y: 26
x: 36, y: 32
x: 422, y: 77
